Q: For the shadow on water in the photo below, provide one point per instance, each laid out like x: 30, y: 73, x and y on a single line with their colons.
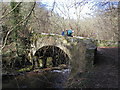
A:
x: 49, y: 79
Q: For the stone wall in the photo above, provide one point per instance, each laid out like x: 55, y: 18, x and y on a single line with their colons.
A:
x: 79, y: 50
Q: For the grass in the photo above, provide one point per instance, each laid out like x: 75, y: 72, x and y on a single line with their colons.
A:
x: 105, y: 43
x: 25, y: 69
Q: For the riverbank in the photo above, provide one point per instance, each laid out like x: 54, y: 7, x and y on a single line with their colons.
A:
x: 105, y: 71
x: 47, y: 78
x: 103, y: 75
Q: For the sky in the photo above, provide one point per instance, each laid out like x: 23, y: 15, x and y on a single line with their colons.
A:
x: 86, y: 10
x: 63, y: 12
x: 73, y: 12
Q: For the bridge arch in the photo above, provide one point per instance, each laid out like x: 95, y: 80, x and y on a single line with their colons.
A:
x: 59, y: 54
x: 79, y: 50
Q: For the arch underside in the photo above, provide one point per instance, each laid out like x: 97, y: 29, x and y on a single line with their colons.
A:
x: 58, y: 56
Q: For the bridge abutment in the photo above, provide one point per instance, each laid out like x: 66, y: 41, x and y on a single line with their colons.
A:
x: 80, y: 51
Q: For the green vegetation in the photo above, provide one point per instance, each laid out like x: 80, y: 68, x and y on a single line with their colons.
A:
x: 106, y: 43
x: 23, y: 21
x: 25, y: 69
x: 49, y: 61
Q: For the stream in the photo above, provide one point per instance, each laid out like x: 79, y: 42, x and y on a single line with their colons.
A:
x: 39, y: 79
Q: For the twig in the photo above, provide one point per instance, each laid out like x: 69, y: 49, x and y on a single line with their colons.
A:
x: 5, y: 41
x: 53, y: 7
x: 11, y: 10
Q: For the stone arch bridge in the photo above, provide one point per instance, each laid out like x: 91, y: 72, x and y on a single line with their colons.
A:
x: 79, y: 51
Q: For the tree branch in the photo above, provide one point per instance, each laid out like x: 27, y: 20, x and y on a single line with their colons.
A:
x: 11, y: 10
x: 24, y: 20
x: 53, y: 7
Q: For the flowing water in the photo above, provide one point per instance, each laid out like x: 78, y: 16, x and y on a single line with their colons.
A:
x: 49, y: 79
